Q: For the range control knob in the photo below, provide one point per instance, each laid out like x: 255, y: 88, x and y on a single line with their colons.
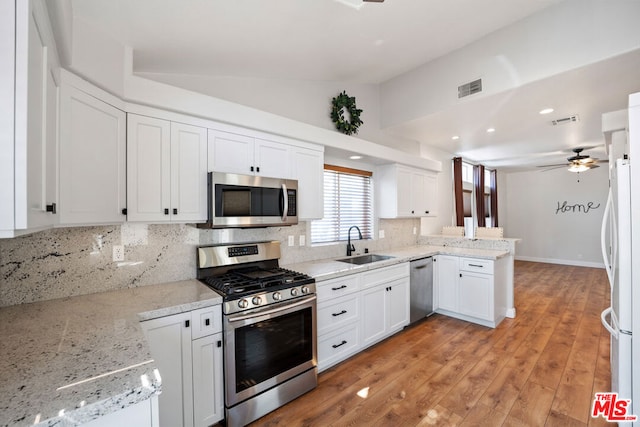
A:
x: 277, y: 296
x: 243, y: 303
x: 256, y: 300
x: 305, y: 289
x: 294, y: 292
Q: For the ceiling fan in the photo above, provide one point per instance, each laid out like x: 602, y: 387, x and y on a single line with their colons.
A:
x: 577, y: 163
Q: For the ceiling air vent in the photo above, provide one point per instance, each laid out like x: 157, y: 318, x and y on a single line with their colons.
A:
x: 470, y: 88
x: 565, y: 120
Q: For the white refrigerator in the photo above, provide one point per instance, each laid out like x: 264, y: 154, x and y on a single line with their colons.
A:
x: 619, y: 238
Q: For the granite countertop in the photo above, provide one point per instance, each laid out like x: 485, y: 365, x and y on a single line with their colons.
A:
x: 67, y: 361
x: 325, y: 269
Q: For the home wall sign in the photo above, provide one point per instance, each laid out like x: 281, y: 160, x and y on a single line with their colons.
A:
x: 584, y: 208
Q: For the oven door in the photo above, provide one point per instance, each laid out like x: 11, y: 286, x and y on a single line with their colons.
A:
x: 268, y: 346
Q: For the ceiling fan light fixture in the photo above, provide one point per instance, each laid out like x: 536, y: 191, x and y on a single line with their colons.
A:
x: 578, y: 167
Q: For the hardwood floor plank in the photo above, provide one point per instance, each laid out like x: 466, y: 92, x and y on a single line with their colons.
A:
x: 541, y: 368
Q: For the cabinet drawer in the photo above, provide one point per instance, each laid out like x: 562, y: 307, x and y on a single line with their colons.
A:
x: 476, y: 265
x: 206, y: 321
x: 336, y: 312
x: 338, y: 345
x: 385, y: 275
x: 333, y: 288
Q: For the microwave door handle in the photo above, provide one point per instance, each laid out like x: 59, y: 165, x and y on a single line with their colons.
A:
x: 285, y: 203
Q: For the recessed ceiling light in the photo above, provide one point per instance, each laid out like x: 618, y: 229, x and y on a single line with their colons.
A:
x: 546, y: 111
x: 454, y: 137
x: 490, y: 130
x: 355, y: 157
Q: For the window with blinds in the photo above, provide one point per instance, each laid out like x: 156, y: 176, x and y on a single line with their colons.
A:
x: 347, y: 202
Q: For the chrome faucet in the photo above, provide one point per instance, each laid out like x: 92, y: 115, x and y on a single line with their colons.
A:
x: 350, y: 247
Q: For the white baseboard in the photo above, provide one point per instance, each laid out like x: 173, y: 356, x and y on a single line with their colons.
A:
x: 561, y: 261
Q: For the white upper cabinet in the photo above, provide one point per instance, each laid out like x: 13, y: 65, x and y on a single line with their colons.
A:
x: 404, y: 192
x: 307, y: 166
x: 29, y: 106
x: 92, y: 159
x: 236, y: 153
x: 166, y: 171
x: 272, y: 159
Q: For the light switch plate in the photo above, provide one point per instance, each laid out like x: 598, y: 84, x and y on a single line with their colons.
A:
x: 381, y: 234
x: 291, y: 241
x: 303, y: 240
x: 414, y: 230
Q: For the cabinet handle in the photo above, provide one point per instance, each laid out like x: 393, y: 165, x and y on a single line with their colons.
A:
x: 339, y: 314
x: 186, y: 323
x: 412, y: 212
x: 476, y: 265
x: 338, y: 288
x: 338, y: 345
x: 460, y: 274
x: 166, y: 211
x: 427, y: 212
x: 124, y: 211
x: 258, y: 169
x: 206, y: 322
x: 219, y: 343
x: 175, y: 211
x: 251, y: 168
x: 51, y: 208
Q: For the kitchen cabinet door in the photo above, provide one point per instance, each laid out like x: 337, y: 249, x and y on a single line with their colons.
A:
x: 374, y: 315
x: 397, y: 300
x: 307, y: 167
x: 188, y: 173
x: 169, y: 340
x: 230, y: 152
x: 476, y: 295
x: 272, y: 159
x: 92, y: 160
x: 446, y: 273
x: 30, y: 90
x: 404, y: 192
x: 208, y: 404
x: 148, y: 169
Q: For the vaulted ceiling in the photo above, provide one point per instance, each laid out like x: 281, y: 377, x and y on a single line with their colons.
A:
x: 379, y: 43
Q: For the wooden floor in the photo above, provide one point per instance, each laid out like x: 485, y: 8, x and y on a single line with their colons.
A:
x: 540, y: 369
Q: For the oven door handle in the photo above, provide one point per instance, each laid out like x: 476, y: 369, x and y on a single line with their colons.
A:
x: 272, y: 311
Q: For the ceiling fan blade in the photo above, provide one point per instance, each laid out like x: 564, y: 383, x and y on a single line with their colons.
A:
x: 551, y: 166
x: 593, y: 166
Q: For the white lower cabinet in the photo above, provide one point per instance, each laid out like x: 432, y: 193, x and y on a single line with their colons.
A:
x: 471, y: 289
x: 359, y: 310
x: 187, y: 348
x: 142, y: 414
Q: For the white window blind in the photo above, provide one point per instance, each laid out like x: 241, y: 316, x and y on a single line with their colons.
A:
x: 347, y: 202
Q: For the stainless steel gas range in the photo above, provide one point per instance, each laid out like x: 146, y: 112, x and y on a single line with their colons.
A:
x: 269, y: 320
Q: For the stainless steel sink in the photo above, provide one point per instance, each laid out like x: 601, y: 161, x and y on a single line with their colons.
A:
x: 365, y: 259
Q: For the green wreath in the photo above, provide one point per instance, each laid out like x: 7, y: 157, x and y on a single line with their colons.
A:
x: 338, y: 105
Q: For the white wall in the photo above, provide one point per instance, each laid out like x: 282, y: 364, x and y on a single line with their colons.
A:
x: 548, y: 235
x: 566, y: 36
x: 433, y: 225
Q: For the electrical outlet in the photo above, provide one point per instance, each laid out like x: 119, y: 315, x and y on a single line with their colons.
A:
x: 303, y: 240
x: 291, y: 241
x: 381, y: 234
x: 118, y: 253
x: 414, y: 231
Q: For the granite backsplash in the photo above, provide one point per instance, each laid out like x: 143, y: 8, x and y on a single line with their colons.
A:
x: 73, y: 261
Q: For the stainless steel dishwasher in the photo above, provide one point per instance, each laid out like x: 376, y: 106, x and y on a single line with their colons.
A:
x: 421, y: 289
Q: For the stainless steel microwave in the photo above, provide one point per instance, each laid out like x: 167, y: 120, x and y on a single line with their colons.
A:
x: 244, y: 201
